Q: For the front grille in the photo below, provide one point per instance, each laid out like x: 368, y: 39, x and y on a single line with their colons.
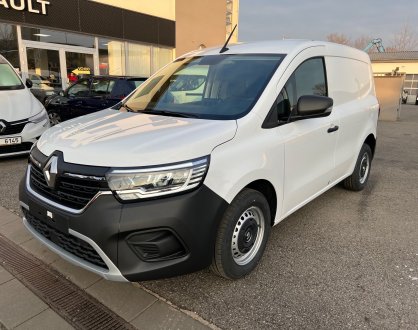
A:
x: 25, y: 146
x: 14, y: 127
x: 72, y: 192
x: 69, y: 243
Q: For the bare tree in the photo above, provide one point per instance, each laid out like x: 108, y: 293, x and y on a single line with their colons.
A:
x: 362, y: 42
x: 339, y: 38
x: 405, y: 39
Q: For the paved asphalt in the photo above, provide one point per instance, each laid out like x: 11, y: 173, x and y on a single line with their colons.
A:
x: 345, y: 260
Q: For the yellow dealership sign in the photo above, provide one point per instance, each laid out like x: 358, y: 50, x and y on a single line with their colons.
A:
x: 81, y: 70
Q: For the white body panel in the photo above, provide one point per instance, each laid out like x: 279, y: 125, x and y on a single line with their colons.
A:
x: 122, y: 139
x: 18, y: 105
x: 299, y: 159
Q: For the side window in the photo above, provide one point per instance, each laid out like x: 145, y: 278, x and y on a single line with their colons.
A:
x: 111, y: 85
x: 100, y: 87
x: 308, y: 79
x: 79, y: 89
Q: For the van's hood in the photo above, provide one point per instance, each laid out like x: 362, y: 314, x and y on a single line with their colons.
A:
x: 121, y: 139
x: 18, y: 104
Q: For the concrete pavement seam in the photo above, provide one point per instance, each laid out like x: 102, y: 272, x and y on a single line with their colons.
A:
x: 191, y: 314
x: 33, y: 316
x: 145, y: 309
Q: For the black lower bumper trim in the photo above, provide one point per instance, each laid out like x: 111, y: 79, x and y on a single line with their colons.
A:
x: 65, y: 241
x: 183, y: 230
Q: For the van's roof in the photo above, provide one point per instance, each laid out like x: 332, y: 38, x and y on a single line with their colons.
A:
x: 287, y: 46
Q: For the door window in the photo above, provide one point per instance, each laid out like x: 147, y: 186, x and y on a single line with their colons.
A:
x: 308, y: 79
x: 79, y: 89
x: 100, y: 87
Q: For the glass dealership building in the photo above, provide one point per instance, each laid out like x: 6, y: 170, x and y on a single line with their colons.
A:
x: 56, y: 41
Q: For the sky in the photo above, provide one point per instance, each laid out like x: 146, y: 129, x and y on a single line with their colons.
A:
x: 315, y: 19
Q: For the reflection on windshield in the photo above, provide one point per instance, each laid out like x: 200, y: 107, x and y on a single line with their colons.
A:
x: 212, y: 87
x: 9, y: 78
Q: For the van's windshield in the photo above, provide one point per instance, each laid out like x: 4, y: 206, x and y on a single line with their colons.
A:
x: 8, y: 78
x: 210, y: 87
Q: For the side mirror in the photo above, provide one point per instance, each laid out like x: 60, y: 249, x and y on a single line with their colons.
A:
x: 29, y: 83
x: 314, y: 106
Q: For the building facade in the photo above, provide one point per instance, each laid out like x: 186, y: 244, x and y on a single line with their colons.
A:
x: 56, y: 41
x: 398, y: 63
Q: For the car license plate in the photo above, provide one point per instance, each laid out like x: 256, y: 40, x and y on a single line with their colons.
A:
x: 10, y: 140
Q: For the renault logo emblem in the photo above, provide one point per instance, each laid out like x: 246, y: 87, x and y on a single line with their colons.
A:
x: 50, y: 171
x: 2, y: 127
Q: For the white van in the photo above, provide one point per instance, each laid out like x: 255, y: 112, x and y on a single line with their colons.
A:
x: 22, y: 117
x: 164, y: 184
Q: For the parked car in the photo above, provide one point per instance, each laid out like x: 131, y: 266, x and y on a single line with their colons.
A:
x: 22, y: 117
x: 41, y: 87
x: 161, y: 185
x: 416, y: 100
x: 404, y: 96
x: 89, y: 95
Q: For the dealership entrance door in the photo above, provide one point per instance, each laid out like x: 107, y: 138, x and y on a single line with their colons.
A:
x: 53, y: 67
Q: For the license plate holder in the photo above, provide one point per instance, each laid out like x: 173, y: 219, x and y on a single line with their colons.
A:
x: 10, y: 140
x: 49, y: 217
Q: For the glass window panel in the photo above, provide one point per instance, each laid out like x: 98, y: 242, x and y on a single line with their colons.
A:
x: 44, y: 71
x: 8, y: 78
x: 409, y: 77
x: 100, y: 87
x: 78, y: 65
x: 57, y: 37
x: 111, y: 85
x: 237, y: 81
x: 161, y: 57
x: 80, y: 89
x: 139, y: 60
x: 308, y: 79
x: 111, y: 57
x: 8, y: 44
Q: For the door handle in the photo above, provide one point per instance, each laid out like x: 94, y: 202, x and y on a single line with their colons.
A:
x: 333, y: 129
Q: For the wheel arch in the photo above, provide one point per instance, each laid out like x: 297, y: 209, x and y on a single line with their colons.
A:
x: 371, y: 142
x: 267, y: 189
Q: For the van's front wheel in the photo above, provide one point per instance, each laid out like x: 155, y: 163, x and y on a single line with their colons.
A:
x: 242, y: 235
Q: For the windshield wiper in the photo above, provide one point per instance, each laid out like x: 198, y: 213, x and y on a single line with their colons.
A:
x: 169, y: 113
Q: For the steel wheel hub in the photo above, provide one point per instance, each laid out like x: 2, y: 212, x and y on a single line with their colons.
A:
x: 247, y: 236
x: 364, y: 168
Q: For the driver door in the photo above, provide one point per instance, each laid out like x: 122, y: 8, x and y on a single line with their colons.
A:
x: 309, y: 147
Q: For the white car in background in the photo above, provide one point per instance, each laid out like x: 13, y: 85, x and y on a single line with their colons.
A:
x: 41, y: 87
x: 23, y: 118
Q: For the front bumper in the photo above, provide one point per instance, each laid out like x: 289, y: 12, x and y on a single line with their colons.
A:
x: 30, y: 134
x: 185, y: 225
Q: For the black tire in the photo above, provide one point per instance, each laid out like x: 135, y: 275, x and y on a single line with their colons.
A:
x: 358, y: 179
x: 248, y: 217
x: 54, y: 118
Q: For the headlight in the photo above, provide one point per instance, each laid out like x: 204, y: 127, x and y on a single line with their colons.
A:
x: 157, y: 181
x: 40, y: 117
